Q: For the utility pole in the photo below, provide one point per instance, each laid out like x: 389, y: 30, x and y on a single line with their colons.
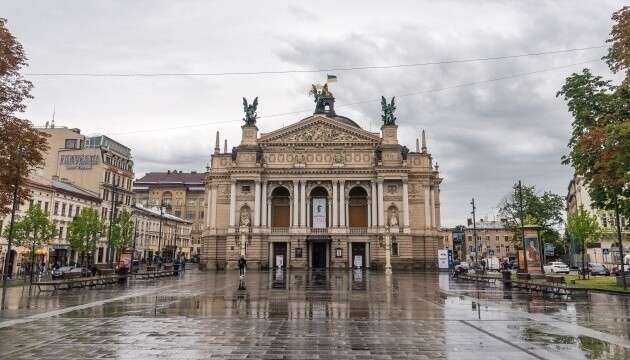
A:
x: 522, y: 216
x: 14, y: 208
x: 474, y: 229
x: 160, y: 238
x: 623, y: 269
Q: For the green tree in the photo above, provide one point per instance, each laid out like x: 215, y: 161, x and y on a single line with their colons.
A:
x: 84, y: 232
x: 122, y: 230
x: 544, y: 210
x: 33, y: 230
x: 583, y: 228
x: 600, y: 139
x: 14, y: 89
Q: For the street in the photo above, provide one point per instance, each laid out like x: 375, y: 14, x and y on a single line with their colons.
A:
x: 312, y: 315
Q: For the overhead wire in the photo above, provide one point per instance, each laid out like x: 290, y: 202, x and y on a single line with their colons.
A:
x: 304, y: 71
x: 413, y: 93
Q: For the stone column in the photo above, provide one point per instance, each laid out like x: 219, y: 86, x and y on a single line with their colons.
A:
x: 208, y: 206
x: 213, y: 208
x: 427, y: 207
x: 433, y: 222
x: 381, y: 204
x: 263, y: 206
x: 257, y: 204
x: 388, y: 253
x: 302, y: 203
x: 405, y: 204
x: 369, y: 209
x: 374, y: 202
x: 233, y: 203
x: 342, y: 203
x: 296, y: 191
x: 334, y: 203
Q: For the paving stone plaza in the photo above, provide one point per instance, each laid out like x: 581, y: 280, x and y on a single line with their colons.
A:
x: 312, y: 315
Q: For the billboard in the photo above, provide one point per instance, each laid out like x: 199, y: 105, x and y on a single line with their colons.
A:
x: 532, y: 254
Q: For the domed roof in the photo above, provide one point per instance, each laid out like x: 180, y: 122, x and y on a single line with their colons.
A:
x: 346, y: 121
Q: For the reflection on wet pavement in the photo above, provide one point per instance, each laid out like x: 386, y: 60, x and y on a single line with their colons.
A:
x: 313, y: 315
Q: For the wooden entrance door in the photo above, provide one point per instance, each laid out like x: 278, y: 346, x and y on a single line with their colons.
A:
x: 319, y: 255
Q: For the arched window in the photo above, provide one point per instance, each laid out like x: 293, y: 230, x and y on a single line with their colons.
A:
x: 319, y: 208
x: 280, y: 207
x: 357, y: 207
x: 167, y: 198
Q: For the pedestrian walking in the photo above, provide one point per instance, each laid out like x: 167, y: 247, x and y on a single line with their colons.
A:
x: 242, y: 266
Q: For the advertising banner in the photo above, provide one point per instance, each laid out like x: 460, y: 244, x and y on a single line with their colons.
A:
x: 319, y: 213
x: 532, y: 254
x: 443, y: 259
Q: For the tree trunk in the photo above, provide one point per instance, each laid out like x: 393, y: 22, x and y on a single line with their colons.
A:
x: 32, y: 260
x: 583, y: 259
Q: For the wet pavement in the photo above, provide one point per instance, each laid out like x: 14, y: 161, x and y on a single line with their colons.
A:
x: 312, y: 315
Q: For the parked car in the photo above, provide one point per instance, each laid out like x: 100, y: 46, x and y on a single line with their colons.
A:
x: 597, y: 269
x: 58, y: 273
x: 556, y: 267
x: 616, y: 270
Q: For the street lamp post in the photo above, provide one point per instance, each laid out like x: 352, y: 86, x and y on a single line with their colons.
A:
x: 474, y: 229
x: 522, y: 216
x: 388, y: 250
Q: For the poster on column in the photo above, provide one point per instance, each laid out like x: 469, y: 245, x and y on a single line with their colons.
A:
x: 319, y: 213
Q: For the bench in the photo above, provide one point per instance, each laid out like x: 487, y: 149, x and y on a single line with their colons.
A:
x: 152, y: 274
x: 105, y: 271
x: 555, y: 279
x: 76, y: 282
x: 70, y: 275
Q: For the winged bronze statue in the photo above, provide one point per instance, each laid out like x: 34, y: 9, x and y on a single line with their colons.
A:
x: 388, y: 111
x: 250, y: 112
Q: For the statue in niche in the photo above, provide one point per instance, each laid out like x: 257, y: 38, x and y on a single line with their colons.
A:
x: 250, y: 112
x: 404, y: 151
x: 388, y: 111
x: 245, y: 217
x: 378, y: 154
x: 393, y: 217
x: 234, y: 153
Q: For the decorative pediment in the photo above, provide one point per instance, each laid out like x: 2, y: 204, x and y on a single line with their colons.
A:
x: 319, y: 130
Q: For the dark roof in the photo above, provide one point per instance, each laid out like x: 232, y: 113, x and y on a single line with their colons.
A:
x: 346, y: 121
x: 172, y: 177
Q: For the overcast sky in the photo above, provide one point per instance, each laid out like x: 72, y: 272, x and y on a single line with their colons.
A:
x: 484, y: 136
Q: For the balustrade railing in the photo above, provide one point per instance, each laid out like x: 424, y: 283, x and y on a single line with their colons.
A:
x: 279, y: 230
x: 358, y: 231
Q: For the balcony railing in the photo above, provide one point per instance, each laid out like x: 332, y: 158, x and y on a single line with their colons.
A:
x: 358, y: 231
x: 279, y: 230
x: 319, y: 230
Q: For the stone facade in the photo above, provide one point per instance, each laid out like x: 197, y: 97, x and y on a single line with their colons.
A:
x: 160, y: 230
x: 181, y: 193
x: 322, y: 192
